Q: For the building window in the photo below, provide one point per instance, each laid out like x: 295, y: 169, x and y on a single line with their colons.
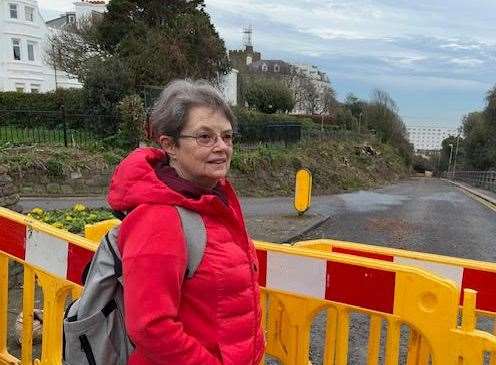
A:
x: 29, y: 13
x: 31, y: 46
x: 71, y: 18
x: 249, y: 60
x: 264, y: 67
x: 19, y: 87
x: 276, y: 68
x: 16, y: 47
x: 35, y: 88
x: 13, y: 11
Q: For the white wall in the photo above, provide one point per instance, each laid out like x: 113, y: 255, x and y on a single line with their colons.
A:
x: 84, y: 9
x: 229, y: 86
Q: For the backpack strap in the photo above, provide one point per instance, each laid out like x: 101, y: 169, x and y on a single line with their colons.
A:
x: 196, y: 238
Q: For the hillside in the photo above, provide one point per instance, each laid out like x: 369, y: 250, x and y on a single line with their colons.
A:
x: 336, y: 165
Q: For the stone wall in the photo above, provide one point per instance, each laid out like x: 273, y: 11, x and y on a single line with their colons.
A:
x: 9, y: 196
x: 76, y: 183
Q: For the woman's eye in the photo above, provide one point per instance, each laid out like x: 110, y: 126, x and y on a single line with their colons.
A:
x: 204, y: 137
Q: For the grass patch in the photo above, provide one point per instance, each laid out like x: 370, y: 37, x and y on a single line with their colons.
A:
x: 57, y: 161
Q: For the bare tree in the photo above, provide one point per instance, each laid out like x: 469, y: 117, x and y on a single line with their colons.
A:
x: 74, y: 47
x: 328, y: 101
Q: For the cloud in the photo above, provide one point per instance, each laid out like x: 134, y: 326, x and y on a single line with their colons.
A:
x: 422, y: 46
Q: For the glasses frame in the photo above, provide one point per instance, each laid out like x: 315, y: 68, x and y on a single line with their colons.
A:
x: 214, y: 139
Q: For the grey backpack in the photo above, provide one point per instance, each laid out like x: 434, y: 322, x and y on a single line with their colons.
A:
x: 94, y: 328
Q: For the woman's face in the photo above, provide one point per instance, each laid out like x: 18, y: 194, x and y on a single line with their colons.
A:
x: 193, y: 157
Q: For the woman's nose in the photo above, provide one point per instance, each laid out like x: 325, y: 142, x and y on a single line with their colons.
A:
x: 220, y: 143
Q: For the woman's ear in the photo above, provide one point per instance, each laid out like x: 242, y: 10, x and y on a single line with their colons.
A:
x: 168, y: 145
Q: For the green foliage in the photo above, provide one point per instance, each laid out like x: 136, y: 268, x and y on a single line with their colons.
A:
x: 55, y: 168
x: 268, y: 96
x: 42, y: 136
x: 479, y: 129
x: 42, y: 109
x: 106, y: 83
x: 250, y: 116
x: 73, y: 219
x: 336, y: 165
x: 345, y: 119
x: 448, y: 149
x: 12, y: 100
x: 138, y: 43
x: 22, y: 160
x: 135, y: 44
x: 382, y: 117
x: 132, y: 116
x: 74, y: 99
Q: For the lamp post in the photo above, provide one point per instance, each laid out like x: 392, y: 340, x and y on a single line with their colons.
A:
x: 451, y: 155
x: 456, y: 153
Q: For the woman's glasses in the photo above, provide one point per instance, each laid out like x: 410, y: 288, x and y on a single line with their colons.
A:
x: 208, y: 139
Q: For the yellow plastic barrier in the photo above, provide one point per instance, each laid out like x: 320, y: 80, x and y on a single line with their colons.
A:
x: 466, y: 273
x: 426, y: 304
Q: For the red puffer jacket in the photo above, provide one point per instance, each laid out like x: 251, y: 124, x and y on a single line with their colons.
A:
x: 213, y: 318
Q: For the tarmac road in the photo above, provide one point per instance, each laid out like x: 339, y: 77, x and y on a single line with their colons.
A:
x: 426, y: 215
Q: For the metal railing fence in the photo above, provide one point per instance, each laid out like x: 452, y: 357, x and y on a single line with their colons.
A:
x: 481, y: 179
x: 54, y: 126
x: 254, y: 133
x: 57, y: 137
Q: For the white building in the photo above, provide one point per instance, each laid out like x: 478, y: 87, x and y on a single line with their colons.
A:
x: 428, y: 138
x: 229, y: 86
x: 320, y: 81
x: 23, y: 41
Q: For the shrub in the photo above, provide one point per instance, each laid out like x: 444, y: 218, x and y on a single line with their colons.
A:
x: 269, y: 96
x: 132, y: 116
x: 43, y: 109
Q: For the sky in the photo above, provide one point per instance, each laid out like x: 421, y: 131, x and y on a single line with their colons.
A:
x: 437, y: 59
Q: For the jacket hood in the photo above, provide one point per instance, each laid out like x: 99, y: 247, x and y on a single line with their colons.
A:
x: 135, y: 182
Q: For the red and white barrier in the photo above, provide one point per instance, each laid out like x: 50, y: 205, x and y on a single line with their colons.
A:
x: 346, y: 283
x: 355, y: 285
x: 374, y: 289
x: 49, y: 253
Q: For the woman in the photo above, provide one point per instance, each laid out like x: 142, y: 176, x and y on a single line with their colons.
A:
x: 215, y: 316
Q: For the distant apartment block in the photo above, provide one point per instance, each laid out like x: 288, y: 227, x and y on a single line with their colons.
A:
x: 426, y: 138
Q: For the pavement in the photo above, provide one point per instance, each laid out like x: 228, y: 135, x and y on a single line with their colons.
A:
x: 486, y: 195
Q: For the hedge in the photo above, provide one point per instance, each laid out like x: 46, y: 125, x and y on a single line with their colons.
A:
x: 42, y: 109
x: 74, y: 100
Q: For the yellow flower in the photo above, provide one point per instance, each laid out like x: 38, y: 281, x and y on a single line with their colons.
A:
x: 68, y: 218
x: 79, y: 208
x: 58, y: 225
x: 37, y: 211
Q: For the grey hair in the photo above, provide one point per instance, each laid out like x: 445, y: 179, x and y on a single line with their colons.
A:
x: 170, y: 111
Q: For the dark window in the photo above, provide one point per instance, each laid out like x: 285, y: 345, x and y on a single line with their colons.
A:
x: 13, y: 11
x: 16, y: 47
x: 29, y: 13
x: 31, y: 51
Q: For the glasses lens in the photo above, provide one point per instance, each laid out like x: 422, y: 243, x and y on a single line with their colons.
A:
x: 228, y: 138
x: 205, y: 139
